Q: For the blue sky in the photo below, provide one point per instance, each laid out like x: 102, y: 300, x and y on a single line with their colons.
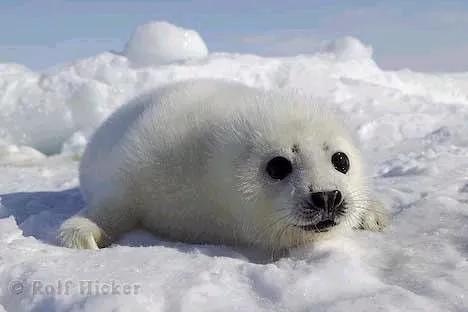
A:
x: 423, y: 35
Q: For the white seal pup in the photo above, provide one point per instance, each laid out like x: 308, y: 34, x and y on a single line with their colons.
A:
x: 211, y: 161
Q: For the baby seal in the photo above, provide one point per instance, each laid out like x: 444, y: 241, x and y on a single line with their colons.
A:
x: 218, y: 162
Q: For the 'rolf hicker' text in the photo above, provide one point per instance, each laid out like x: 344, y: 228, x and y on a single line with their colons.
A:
x: 84, y: 287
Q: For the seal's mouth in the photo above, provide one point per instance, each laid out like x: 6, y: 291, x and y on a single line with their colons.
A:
x: 322, y: 226
x: 326, y: 216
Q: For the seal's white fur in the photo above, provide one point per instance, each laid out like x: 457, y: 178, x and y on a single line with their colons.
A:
x: 187, y: 161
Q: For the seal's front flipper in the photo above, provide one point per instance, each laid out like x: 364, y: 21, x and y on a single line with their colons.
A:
x: 375, y: 217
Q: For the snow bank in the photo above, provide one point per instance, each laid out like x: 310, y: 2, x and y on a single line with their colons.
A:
x: 348, y: 48
x: 14, y: 154
x: 159, y: 43
x: 48, y: 110
x: 413, y: 128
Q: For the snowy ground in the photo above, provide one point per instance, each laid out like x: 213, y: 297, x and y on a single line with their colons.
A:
x: 413, y: 127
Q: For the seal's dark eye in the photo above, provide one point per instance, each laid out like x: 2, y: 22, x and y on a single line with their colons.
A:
x: 341, y: 162
x: 279, y: 168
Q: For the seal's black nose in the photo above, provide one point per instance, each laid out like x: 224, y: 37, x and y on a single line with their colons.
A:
x: 326, y: 200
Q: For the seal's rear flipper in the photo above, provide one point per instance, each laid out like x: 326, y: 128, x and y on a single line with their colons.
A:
x: 81, y: 233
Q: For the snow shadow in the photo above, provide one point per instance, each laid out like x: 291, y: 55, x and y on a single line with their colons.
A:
x: 39, y: 214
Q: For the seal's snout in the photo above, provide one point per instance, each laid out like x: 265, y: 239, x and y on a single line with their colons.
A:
x: 326, y: 201
x: 322, y: 209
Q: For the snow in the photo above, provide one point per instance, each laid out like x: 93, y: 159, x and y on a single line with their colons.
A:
x: 158, y: 43
x: 348, y: 48
x: 413, y: 128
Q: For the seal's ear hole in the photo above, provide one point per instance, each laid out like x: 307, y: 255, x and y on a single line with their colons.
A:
x: 279, y: 168
x: 341, y: 162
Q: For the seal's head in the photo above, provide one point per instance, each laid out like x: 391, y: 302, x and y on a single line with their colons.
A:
x: 298, y: 170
